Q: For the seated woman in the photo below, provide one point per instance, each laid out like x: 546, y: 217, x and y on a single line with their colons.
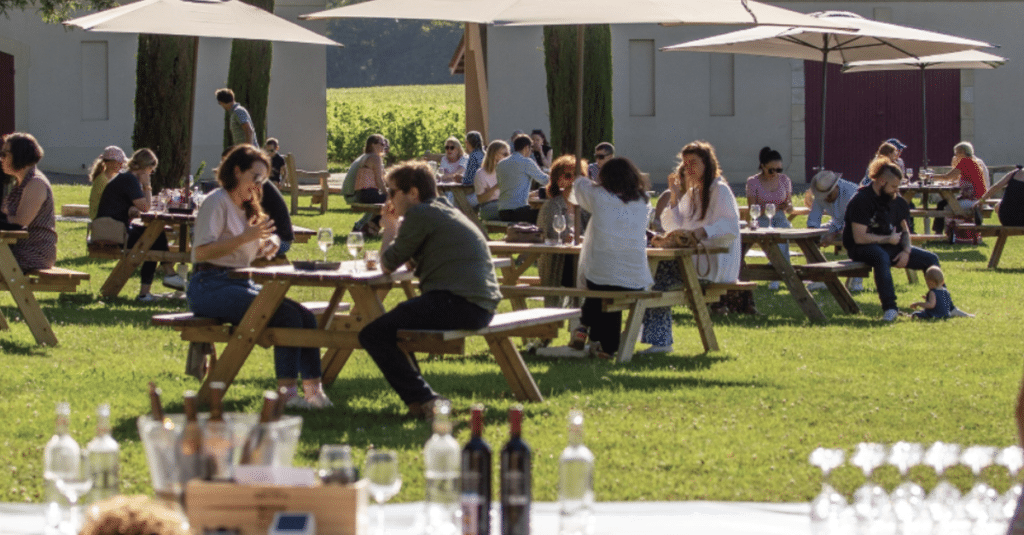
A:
x: 614, y: 255
x: 700, y: 202
x: 106, y: 167
x: 886, y: 150
x: 541, y: 149
x: 230, y: 232
x: 485, y: 180
x: 127, y: 195
x: 771, y: 186
x: 1011, y: 208
x: 453, y: 164
x: 558, y: 269
x: 29, y: 204
x: 367, y: 181
x: 967, y: 169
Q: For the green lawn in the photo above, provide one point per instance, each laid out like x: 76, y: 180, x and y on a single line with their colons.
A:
x: 736, y: 424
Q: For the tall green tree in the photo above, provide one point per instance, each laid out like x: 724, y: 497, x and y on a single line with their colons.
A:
x: 165, y: 82
x: 561, y: 58
x: 249, y: 78
x: 54, y: 11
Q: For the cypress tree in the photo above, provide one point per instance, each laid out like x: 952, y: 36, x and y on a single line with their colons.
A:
x: 560, y: 53
x: 249, y: 78
x: 165, y: 80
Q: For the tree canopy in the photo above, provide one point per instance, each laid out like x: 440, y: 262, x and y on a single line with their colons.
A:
x: 54, y: 11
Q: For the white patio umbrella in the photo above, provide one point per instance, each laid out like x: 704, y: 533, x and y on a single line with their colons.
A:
x: 225, y: 19
x: 969, y: 59
x: 866, y: 40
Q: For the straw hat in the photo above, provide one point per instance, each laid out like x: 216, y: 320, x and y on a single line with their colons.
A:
x: 823, y: 182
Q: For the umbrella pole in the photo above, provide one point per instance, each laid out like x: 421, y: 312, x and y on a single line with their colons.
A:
x: 924, y: 119
x: 824, y: 94
x: 578, y: 219
x: 187, y: 151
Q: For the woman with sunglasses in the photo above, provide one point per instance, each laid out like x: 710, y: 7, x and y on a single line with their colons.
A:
x: 558, y: 269
x: 29, y: 204
x: 771, y: 186
x: 453, y: 164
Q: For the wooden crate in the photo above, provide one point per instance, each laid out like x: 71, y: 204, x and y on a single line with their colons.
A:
x: 339, y: 509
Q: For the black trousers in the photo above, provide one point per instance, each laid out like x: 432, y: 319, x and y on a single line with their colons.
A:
x: 605, y: 327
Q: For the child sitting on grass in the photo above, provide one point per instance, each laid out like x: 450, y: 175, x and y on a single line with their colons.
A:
x: 938, y: 303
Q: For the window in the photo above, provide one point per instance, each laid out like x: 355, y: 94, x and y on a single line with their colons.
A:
x: 722, y: 88
x: 641, y: 77
x: 94, y: 81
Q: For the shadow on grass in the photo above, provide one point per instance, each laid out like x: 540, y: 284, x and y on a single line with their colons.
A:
x: 12, y: 347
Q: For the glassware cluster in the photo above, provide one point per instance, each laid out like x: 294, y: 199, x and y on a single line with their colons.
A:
x: 908, y: 508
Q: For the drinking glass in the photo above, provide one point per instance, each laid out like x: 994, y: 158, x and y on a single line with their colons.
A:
x: 827, y: 507
x: 558, y: 223
x: 908, y: 498
x: 755, y: 214
x: 982, y: 498
x: 385, y: 480
x: 335, y: 464
x: 944, y: 499
x: 1012, y: 458
x: 769, y: 212
x: 355, y: 247
x: 870, y: 501
x: 325, y: 239
x: 73, y: 485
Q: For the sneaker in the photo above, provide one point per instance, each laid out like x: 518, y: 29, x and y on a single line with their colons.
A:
x: 174, y: 281
x: 890, y: 315
x: 297, y: 402
x: 148, y: 298
x: 318, y: 400
x: 815, y: 286
x: 856, y: 284
x: 773, y: 286
x: 424, y: 410
x: 655, y: 350
x: 957, y: 313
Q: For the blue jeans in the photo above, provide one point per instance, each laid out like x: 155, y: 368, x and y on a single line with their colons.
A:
x: 781, y: 220
x: 285, y: 247
x: 881, y: 257
x: 439, y: 310
x: 214, y: 294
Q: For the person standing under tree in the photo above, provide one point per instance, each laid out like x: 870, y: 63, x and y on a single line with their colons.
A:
x: 242, y: 129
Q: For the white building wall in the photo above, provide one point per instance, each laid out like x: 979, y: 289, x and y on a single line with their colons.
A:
x: 516, y: 81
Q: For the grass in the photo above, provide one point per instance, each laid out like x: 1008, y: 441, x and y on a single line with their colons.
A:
x: 736, y: 424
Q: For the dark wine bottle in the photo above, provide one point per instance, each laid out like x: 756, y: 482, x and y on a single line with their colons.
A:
x: 155, y: 406
x: 258, y: 448
x: 217, y: 437
x: 190, y: 445
x: 476, y: 479
x: 515, y: 478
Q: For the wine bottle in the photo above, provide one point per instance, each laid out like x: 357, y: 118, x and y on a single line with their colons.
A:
x: 156, y: 407
x: 61, y: 459
x: 258, y: 448
x: 104, y: 458
x: 190, y: 444
x: 515, y: 478
x: 576, y: 482
x: 476, y: 479
x: 441, y: 458
x: 217, y: 447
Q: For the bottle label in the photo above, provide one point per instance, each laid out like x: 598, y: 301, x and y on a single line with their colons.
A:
x: 515, y: 491
x: 471, y: 513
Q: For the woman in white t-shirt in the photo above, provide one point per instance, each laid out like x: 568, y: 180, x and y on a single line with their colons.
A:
x: 453, y: 164
x: 485, y: 181
x: 231, y: 231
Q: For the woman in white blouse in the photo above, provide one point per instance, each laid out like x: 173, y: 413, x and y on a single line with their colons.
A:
x: 614, y: 255
x: 231, y: 231
x: 701, y: 202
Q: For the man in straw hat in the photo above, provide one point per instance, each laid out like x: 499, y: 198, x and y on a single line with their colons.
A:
x: 829, y: 194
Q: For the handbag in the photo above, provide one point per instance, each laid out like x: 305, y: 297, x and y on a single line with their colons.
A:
x: 107, y: 231
x: 680, y: 239
x: 524, y: 233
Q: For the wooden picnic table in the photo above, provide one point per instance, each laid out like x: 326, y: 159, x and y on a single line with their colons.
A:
x: 460, y: 193
x: 155, y: 223
x: 691, y: 294
x: 791, y: 215
x: 22, y: 287
x: 781, y: 268
x: 948, y: 192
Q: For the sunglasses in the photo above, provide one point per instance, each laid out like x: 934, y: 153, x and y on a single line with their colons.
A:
x: 450, y: 147
x: 773, y: 170
x: 392, y: 192
x: 600, y: 156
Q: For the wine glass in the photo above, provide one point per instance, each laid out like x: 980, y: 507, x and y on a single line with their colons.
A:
x: 944, y: 499
x: 74, y: 484
x: 827, y: 507
x: 385, y: 480
x: 355, y: 247
x: 558, y: 223
x: 1012, y: 458
x: 769, y: 212
x: 755, y: 214
x: 335, y: 464
x: 870, y: 501
x: 982, y: 498
x: 908, y: 498
x: 325, y: 239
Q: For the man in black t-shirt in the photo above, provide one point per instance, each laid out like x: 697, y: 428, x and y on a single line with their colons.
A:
x: 274, y: 206
x: 276, y: 160
x: 876, y: 232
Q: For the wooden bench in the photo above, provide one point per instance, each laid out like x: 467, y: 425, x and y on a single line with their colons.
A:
x: 55, y: 279
x: 366, y: 208
x: 497, y: 226
x: 298, y: 183
x: 302, y: 234
x: 534, y: 322
x: 1000, y: 232
x: 52, y: 279
x: 74, y: 210
x: 844, y: 268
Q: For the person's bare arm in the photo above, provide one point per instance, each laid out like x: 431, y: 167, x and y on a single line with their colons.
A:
x: 219, y: 248
x: 377, y: 165
x: 903, y: 258
x: 390, y: 222
x: 250, y: 134
x: 861, y: 236
x: 31, y: 202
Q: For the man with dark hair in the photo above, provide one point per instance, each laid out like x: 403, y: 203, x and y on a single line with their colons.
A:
x: 877, y: 234
x: 514, y: 175
x: 457, y: 283
x: 276, y: 161
x: 603, y: 152
x: 242, y: 129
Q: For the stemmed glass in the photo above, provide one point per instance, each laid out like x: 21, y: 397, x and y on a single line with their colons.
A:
x: 769, y: 212
x: 944, y: 498
x: 558, y: 223
x: 1012, y: 458
x: 325, y: 239
x: 982, y: 498
x: 73, y: 485
x: 755, y: 214
x: 908, y: 498
x: 385, y: 480
x: 355, y: 247
x: 829, y: 504
x: 870, y: 501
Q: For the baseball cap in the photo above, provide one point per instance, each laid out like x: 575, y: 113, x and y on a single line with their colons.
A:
x: 114, y: 153
x: 896, y: 143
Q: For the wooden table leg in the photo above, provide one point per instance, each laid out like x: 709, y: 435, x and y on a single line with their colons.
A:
x: 997, y: 250
x: 3, y: 323
x: 128, y: 263
x: 231, y: 359
x: 954, y: 204
x: 780, y: 262
x: 695, y: 300
x: 17, y: 284
x: 366, y: 307
x: 835, y: 286
x: 462, y: 203
x: 514, y: 368
x: 633, y: 323
x: 511, y: 274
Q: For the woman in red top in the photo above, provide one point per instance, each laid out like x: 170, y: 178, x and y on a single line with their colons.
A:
x: 968, y: 170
